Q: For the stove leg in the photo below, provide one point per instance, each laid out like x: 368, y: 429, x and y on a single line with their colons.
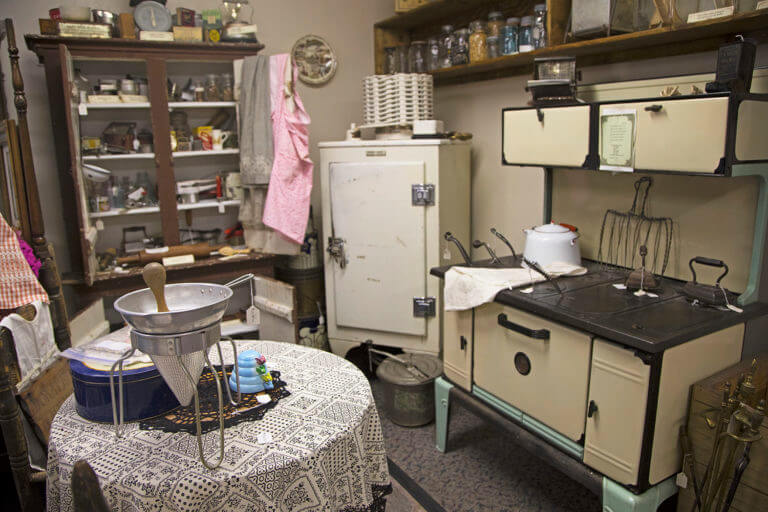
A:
x: 442, y: 405
x: 617, y: 498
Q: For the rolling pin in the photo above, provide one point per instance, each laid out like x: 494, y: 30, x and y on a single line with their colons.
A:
x: 201, y: 250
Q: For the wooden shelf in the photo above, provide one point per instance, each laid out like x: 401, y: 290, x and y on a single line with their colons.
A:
x: 176, y: 154
x: 645, y: 44
x: 156, y: 209
x: 117, y: 105
x: 201, y: 104
x: 119, y: 156
x: 210, y: 152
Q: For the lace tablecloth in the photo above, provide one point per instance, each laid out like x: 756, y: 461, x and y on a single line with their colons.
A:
x: 326, y: 454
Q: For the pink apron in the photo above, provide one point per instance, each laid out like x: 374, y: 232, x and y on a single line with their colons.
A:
x: 287, y: 206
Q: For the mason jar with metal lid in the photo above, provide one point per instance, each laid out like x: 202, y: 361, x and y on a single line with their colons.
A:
x: 417, y: 57
x: 525, y: 38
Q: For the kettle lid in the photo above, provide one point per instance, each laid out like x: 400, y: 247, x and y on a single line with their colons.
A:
x: 551, y: 228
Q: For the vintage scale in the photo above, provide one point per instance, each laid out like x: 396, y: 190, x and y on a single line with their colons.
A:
x: 177, y: 335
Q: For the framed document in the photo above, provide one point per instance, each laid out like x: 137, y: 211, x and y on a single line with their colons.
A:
x: 617, y: 139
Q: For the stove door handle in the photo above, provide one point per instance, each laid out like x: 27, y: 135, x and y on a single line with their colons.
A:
x: 539, y: 334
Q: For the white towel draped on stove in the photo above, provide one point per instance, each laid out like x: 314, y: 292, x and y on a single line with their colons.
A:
x: 469, y: 287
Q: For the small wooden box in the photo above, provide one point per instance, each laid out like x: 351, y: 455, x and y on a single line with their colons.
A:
x: 49, y: 27
x: 752, y: 494
x: 188, y: 33
x: 127, y: 26
x: 407, y: 5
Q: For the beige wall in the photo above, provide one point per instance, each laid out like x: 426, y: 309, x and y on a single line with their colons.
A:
x: 345, y: 24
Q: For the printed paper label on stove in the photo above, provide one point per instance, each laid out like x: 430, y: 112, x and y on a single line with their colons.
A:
x: 617, y: 139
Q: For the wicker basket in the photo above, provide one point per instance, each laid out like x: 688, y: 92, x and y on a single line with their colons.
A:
x: 392, y: 100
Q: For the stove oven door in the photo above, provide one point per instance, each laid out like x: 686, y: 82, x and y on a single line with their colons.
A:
x: 537, y: 366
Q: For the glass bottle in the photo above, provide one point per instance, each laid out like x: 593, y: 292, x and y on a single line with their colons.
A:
x: 390, y: 60
x: 539, y: 35
x: 446, y: 40
x: 525, y: 38
x: 417, y: 57
x: 495, y: 23
x: 494, y: 46
x: 433, y: 54
x: 460, y: 54
x: 401, y: 58
x: 211, y: 89
x: 199, y: 91
x: 510, y: 34
x: 478, y: 42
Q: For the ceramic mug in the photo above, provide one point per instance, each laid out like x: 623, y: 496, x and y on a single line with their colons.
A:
x: 218, y: 139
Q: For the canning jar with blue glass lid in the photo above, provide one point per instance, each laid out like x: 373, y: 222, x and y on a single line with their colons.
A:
x: 525, y: 38
x: 510, y: 35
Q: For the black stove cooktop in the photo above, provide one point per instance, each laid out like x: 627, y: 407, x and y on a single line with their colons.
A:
x: 594, y: 303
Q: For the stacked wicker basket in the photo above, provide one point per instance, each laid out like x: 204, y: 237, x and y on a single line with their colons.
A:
x: 396, y: 100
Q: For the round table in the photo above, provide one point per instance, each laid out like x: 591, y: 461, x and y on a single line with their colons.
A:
x: 326, y: 454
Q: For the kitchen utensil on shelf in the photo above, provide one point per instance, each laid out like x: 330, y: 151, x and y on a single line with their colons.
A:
x: 449, y: 237
x: 105, y: 17
x: 535, y: 266
x: 178, y: 340
x: 708, y: 295
x: 641, y: 279
x: 201, y: 250
x: 621, y: 233
x: 504, y: 239
x: 552, y: 243
x: 230, y: 251
x: 477, y: 244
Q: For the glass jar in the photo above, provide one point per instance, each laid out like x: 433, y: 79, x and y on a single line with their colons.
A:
x: 494, y: 46
x: 417, y: 57
x: 478, y: 42
x: 525, y: 38
x: 447, y: 40
x: 433, y: 54
x: 460, y: 53
x: 211, y: 89
x: 227, y: 87
x: 510, y: 35
x: 495, y: 23
x: 390, y: 64
x: 539, y: 35
x: 199, y: 91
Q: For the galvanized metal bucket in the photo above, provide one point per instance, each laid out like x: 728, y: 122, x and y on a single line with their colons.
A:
x: 408, y: 395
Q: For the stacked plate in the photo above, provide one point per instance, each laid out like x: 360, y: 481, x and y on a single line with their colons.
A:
x: 392, y: 100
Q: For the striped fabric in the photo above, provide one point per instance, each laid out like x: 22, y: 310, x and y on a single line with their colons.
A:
x: 18, y: 284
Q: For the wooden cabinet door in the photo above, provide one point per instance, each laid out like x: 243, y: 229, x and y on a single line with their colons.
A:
x: 88, y: 232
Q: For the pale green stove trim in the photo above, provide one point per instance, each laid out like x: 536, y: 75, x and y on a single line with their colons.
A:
x: 617, y: 498
x: 532, y: 424
x: 752, y: 290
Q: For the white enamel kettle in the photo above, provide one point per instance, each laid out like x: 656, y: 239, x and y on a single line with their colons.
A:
x: 551, y: 243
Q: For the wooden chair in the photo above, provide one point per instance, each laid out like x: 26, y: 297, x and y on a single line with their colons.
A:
x: 86, y: 492
x: 42, y: 398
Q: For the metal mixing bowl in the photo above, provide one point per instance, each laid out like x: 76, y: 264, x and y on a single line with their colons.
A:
x: 192, y: 306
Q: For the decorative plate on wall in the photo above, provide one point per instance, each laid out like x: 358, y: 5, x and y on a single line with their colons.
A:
x: 315, y: 59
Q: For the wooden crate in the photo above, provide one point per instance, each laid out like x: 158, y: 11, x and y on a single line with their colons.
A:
x: 407, y: 5
x: 752, y: 494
